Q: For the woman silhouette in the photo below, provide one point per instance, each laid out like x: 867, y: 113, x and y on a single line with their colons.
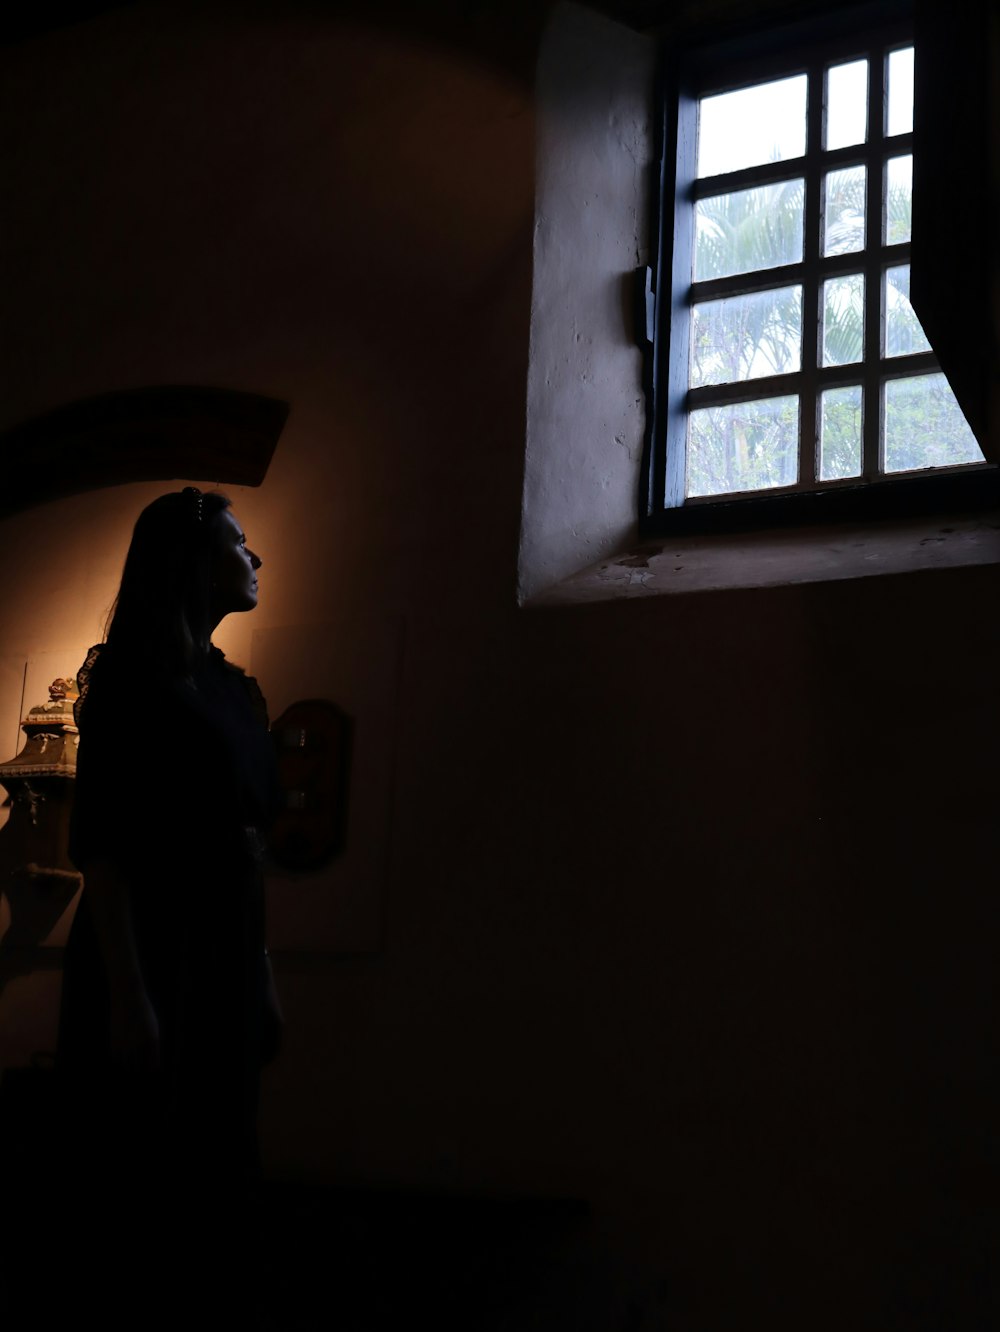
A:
x: 168, y: 1006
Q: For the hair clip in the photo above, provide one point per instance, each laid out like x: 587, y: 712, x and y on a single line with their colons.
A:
x: 198, y: 499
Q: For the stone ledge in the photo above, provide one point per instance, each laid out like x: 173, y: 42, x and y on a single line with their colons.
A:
x: 673, y: 566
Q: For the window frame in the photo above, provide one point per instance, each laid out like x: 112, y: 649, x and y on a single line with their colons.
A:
x: 693, y: 71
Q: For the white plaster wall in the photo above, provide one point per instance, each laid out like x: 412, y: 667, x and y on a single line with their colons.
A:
x: 585, y: 411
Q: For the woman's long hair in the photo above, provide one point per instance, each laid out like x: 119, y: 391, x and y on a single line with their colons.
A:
x: 161, y: 615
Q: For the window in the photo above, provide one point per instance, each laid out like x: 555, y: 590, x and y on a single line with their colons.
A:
x: 792, y: 373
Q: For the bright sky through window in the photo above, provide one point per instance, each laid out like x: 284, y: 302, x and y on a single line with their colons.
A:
x: 765, y: 123
x: 900, y: 117
x: 847, y: 104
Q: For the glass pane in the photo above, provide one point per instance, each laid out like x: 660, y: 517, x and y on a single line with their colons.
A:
x: 744, y: 446
x: 900, y: 118
x: 843, y: 319
x: 903, y: 334
x: 898, y: 200
x: 745, y: 337
x: 765, y: 123
x: 844, y: 225
x: 924, y: 426
x: 840, y: 433
x: 748, y: 230
x: 847, y: 104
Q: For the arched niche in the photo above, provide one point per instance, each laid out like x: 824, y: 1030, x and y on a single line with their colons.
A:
x: 149, y: 434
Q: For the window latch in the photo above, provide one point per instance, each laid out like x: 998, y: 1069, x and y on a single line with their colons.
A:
x: 644, y: 305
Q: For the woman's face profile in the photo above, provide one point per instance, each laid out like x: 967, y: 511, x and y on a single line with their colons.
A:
x: 234, y: 569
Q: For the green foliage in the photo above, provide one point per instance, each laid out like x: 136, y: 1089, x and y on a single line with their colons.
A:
x: 843, y: 320
x: 840, y: 433
x: 924, y: 426
x: 754, y: 445
x: 749, y: 230
x: 746, y: 446
x: 845, y: 211
x: 746, y: 337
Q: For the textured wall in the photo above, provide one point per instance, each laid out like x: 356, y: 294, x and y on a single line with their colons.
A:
x: 586, y: 413
x: 688, y: 902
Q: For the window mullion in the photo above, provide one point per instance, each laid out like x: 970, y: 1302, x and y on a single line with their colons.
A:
x: 743, y: 284
x: 744, y: 390
x: 811, y: 331
x: 874, y: 237
x: 766, y: 173
x: 682, y: 268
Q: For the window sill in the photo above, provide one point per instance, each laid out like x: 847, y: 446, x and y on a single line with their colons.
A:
x: 671, y: 566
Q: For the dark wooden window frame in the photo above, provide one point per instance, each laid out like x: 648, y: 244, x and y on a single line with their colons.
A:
x: 698, y: 70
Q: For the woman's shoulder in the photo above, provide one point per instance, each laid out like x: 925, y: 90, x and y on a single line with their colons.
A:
x: 94, y: 680
x: 246, y: 683
x: 114, y: 683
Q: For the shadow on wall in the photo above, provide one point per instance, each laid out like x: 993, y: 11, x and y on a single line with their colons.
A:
x: 149, y: 434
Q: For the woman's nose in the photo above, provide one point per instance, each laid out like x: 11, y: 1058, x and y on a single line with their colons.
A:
x: 255, y: 560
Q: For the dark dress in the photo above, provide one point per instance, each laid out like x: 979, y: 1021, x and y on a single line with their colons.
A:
x: 175, y: 781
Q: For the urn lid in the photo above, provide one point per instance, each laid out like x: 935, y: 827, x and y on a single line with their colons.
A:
x: 58, y: 711
x: 50, y: 749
